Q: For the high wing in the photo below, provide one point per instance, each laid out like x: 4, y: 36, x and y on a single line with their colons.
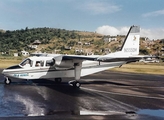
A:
x: 79, y: 57
x: 102, y: 59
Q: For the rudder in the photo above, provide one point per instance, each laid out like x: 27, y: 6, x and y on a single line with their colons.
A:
x: 131, y: 42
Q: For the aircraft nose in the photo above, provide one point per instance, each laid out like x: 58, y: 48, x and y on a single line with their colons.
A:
x: 3, y: 72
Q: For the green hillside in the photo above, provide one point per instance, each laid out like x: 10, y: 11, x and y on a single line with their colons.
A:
x: 63, y: 41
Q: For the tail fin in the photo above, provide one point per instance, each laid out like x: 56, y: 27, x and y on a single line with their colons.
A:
x: 131, y: 42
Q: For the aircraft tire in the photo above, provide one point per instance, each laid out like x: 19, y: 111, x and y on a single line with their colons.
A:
x: 7, y: 81
x: 58, y: 80
x: 76, y: 84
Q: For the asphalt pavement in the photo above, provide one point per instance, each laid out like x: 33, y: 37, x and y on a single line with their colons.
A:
x: 105, y: 95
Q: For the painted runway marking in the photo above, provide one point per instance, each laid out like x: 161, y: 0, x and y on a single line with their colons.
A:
x: 123, y: 94
x: 101, y: 113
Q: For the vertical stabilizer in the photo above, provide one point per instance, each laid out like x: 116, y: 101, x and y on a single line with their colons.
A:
x: 131, y: 42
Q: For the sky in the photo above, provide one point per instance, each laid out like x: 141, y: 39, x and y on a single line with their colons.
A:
x: 108, y: 17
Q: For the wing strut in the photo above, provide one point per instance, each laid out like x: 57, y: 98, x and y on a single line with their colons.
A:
x: 77, y: 72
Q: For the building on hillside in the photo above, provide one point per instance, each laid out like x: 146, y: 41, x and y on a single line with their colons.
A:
x: 112, y: 39
x: 35, y: 44
x: 25, y: 53
x: 67, y: 48
x: 87, y: 43
x: 15, y: 54
x: 109, y: 39
x: 80, y: 43
x: 79, y: 50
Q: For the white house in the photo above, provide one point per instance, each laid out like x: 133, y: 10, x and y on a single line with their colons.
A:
x: 15, y: 54
x: 24, y: 53
x: 110, y: 39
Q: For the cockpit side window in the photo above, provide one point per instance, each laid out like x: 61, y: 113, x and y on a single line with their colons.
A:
x: 27, y: 63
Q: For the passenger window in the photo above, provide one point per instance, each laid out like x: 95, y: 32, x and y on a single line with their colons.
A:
x: 39, y: 64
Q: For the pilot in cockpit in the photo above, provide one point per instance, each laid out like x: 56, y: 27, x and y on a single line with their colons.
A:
x: 26, y: 63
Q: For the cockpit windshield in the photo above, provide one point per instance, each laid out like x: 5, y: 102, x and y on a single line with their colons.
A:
x: 27, y: 63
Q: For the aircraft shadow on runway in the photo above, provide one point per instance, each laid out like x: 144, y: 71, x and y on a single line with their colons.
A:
x: 102, y: 82
x: 46, y: 82
x: 64, y: 87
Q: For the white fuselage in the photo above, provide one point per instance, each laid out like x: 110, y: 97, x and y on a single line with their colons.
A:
x: 88, y: 67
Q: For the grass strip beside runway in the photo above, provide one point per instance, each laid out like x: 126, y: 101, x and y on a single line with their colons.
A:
x: 4, y: 63
x: 146, y: 68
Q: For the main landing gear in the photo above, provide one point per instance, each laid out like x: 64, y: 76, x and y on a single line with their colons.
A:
x: 7, y: 81
x: 58, y: 80
x: 75, y: 83
x: 77, y: 72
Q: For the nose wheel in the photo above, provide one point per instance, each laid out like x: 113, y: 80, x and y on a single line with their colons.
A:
x: 7, y: 81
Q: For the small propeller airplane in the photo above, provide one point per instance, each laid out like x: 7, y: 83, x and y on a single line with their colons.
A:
x: 59, y: 66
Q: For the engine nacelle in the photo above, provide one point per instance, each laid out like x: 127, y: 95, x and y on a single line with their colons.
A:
x: 64, y: 64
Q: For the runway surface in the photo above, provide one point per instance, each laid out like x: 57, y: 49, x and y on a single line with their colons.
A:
x: 105, y: 95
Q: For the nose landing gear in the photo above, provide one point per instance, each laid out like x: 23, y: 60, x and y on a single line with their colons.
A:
x: 7, y: 81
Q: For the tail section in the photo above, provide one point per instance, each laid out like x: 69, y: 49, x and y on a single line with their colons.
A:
x: 131, y: 42
x: 129, y: 48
